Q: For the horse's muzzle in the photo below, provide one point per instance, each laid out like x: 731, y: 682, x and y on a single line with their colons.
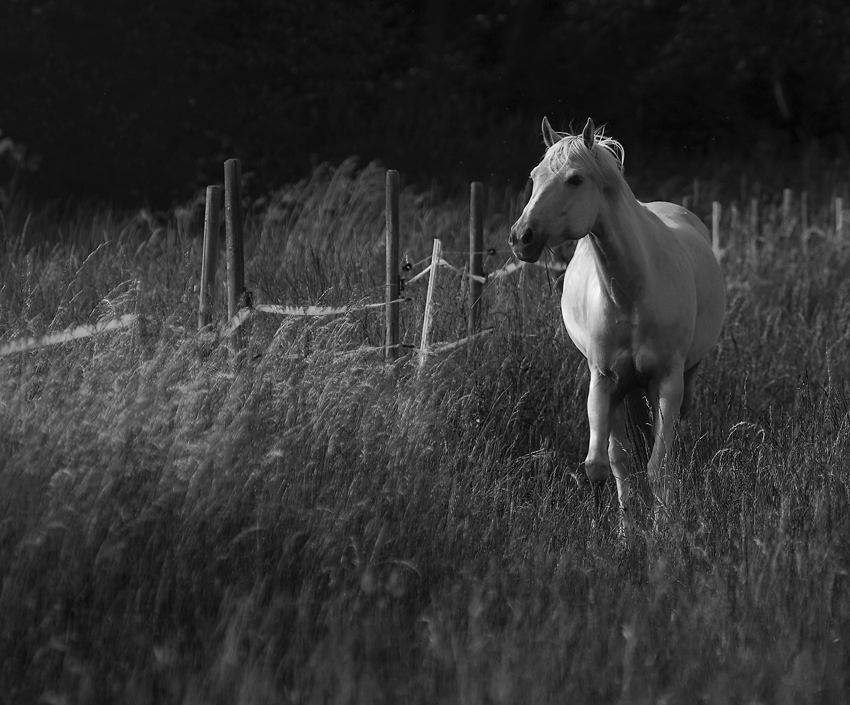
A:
x: 527, y: 237
x: 525, y: 244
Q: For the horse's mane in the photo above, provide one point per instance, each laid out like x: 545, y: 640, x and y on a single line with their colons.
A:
x: 604, y: 162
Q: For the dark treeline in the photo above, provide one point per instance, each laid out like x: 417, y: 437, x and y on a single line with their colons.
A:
x: 143, y: 101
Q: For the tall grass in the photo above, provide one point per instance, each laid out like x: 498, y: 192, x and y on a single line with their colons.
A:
x: 314, y: 525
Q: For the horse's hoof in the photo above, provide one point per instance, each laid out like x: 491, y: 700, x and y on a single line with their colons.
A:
x: 597, y: 471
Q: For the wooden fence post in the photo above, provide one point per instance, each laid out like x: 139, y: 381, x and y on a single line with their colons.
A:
x: 391, y: 343
x: 212, y: 217
x: 786, y: 210
x: 804, y: 210
x: 752, y: 250
x: 139, y: 328
x: 754, y: 217
x: 715, y: 228
x: 734, y: 226
x: 476, y: 254
x: 804, y: 222
x: 436, y: 256
x: 235, y: 256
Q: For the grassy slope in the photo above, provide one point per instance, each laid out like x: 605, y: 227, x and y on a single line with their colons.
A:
x: 308, y: 526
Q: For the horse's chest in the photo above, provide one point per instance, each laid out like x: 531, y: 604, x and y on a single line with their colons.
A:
x: 600, y: 328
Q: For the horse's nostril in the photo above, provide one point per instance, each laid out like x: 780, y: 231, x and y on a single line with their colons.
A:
x: 527, y: 237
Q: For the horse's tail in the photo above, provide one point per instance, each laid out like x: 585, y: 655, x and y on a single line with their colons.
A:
x: 639, y: 429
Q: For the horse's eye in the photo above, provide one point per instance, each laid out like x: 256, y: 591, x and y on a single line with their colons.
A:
x: 574, y: 180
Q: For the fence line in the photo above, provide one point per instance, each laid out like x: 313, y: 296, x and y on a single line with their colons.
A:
x: 238, y: 313
x: 786, y: 224
x: 419, y: 276
x: 21, y: 345
x: 505, y: 270
x: 240, y: 308
x: 447, y: 347
x: 246, y: 313
x: 472, y: 277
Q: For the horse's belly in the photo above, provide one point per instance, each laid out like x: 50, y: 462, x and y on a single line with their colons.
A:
x: 631, y: 345
x: 711, y: 310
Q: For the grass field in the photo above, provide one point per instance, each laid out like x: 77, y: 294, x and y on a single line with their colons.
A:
x: 312, y: 525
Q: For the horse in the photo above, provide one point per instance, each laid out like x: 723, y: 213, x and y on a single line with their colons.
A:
x: 643, y: 297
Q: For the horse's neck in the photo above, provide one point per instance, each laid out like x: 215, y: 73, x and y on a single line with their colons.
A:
x: 618, y: 248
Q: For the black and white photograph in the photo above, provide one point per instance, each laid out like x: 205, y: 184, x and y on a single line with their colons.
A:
x: 434, y: 352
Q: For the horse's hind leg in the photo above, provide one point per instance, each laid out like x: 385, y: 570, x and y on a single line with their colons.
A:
x: 666, y: 405
x: 685, y: 430
x: 688, y: 394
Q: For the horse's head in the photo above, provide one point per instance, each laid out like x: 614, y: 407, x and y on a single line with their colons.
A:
x: 567, y: 192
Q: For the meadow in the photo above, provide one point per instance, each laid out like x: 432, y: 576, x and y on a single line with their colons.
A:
x: 307, y: 523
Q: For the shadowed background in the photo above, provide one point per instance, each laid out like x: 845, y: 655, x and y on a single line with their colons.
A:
x: 131, y: 102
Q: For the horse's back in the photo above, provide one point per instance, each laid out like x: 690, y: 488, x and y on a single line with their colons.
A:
x: 679, y: 219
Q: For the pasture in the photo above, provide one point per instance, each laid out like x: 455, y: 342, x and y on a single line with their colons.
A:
x: 312, y: 525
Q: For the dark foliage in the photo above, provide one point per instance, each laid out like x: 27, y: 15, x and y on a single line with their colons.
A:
x: 144, y: 100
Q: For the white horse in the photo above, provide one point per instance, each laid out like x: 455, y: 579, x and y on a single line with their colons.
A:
x: 643, y: 297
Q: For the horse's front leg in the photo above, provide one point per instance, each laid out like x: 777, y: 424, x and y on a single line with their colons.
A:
x: 666, y: 405
x: 602, y: 400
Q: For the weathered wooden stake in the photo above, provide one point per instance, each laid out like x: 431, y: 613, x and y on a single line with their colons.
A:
x: 523, y: 284
x: 752, y: 249
x: 786, y: 210
x: 139, y: 328
x: 754, y: 217
x: 235, y: 256
x: 391, y: 342
x: 436, y: 257
x: 734, y: 225
x: 212, y: 218
x: 804, y: 221
x: 804, y: 210
x: 476, y: 254
x: 715, y: 228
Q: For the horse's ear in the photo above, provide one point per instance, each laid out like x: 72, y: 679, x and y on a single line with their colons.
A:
x: 550, y: 137
x: 588, y: 135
